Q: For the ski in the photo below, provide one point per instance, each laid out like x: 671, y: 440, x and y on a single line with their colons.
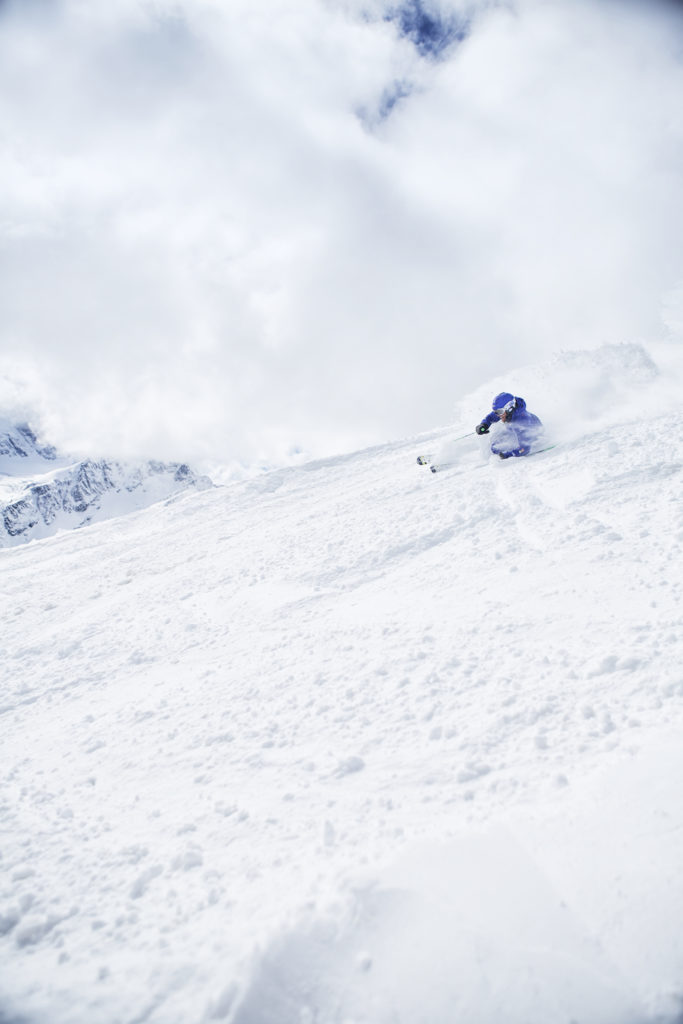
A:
x: 539, y: 450
x: 439, y: 467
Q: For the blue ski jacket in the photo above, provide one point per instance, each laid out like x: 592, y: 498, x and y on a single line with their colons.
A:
x: 524, y: 424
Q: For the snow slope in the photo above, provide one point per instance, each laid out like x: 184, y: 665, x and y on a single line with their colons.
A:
x: 364, y: 744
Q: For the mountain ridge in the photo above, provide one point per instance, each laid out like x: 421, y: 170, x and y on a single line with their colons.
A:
x: 42, y: 492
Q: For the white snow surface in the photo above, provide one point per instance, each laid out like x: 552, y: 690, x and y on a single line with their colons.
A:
x: 353, y: 743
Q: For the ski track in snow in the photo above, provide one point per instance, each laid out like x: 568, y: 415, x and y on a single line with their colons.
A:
x: 220, y: 710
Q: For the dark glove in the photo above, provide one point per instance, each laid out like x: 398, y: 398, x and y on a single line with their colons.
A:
x: 482, y: 428
x: 503, y: 455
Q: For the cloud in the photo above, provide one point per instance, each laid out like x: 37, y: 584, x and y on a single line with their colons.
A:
x: 236, y: 231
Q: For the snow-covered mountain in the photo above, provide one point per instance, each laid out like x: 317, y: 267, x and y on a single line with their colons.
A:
x: 42, y: 492
x: 19, y: 448
x: 366, y: 743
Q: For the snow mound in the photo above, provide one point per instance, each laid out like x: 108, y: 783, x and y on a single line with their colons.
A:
x: 469, y: 931
x: 539, y: 919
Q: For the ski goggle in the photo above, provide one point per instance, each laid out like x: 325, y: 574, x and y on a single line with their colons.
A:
x: 510, y: 407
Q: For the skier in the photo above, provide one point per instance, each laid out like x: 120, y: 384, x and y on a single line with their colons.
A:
x: 521, y: 428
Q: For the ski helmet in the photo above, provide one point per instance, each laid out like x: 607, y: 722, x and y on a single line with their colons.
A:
x: 501, y: 400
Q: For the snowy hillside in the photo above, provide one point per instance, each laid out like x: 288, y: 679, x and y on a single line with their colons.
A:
x: 367, y: 744
x: 42, y: 492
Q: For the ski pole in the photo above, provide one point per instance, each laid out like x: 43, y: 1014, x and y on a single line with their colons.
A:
x: 424, y: 460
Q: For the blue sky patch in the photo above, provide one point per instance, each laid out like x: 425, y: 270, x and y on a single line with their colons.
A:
x: 431, y: 32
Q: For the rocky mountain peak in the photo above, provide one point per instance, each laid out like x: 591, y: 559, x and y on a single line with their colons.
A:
x: 42, y: 492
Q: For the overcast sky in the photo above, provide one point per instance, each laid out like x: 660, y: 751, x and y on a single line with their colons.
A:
x: 236, y: 229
